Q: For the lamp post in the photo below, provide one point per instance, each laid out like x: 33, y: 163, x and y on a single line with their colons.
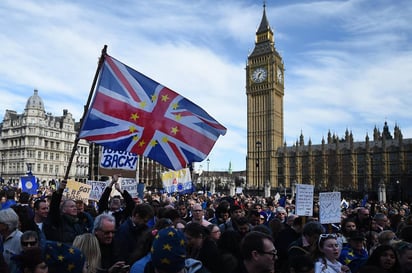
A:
x: 208, y: 162
x: 399, y: 186
x: 258, y: 146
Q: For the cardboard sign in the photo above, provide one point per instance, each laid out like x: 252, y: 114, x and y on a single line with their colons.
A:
x: 304, y: 200
x: 77, y: 191
x: 329, y: 207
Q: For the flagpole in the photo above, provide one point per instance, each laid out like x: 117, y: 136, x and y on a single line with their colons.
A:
x: 86, y: 107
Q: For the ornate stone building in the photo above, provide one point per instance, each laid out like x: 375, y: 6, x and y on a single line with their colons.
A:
x: 355, y: 168
x: 385, y: 162
x: 40, y: 142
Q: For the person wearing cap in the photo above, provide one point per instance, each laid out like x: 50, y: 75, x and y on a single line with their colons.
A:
x: 168, y: 254
x: 355, y: 254
x: 64, y: 258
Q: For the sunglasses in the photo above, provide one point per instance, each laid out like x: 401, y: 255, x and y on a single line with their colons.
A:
x: 327, y: 236
x: 29, y: 243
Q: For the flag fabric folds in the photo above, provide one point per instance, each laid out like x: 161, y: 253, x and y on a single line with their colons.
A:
x: 29, y: 184
x: 131, y: 112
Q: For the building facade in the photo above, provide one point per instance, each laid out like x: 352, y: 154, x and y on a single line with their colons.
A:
x: 39, y: 142
x: 356, y: 168
x: 264, y: 91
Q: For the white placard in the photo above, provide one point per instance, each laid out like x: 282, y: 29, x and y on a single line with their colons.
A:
x: 329, y: 207
x: 130, y: 185
x: 123, y: 160
x: 304, y: 199
x: 97, y: 189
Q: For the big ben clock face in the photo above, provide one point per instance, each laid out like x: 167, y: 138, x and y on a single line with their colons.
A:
x: 259, y: 75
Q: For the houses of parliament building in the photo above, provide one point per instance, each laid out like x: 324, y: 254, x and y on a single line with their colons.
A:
x: 383, y: 161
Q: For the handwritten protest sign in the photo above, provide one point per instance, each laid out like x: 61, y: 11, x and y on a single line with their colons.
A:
x: 130, y: 185
x: 97, y: 189
x: 77, y: 191
x: 112, y: 159
x: 304, y: 200
x: 329, y: 207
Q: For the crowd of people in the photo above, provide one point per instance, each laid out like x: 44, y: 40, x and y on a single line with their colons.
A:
x: 164, y: 233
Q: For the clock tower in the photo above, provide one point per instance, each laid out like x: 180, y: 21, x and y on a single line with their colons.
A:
x: 264, y: 91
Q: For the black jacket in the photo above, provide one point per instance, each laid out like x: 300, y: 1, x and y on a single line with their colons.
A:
x: 120, y: 215
x: 60, y: 227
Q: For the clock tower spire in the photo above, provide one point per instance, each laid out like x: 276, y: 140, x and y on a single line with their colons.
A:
x: 264, y: 91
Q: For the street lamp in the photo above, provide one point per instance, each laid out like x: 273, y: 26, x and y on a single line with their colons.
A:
x: 258, y: 146
x: 399, y: 186
x: 208, y: 162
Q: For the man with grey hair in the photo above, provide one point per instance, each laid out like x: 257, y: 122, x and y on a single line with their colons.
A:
x: 9, y: 221
x: 104, y: 228
x: 62, y: 224
x: 382, y: 222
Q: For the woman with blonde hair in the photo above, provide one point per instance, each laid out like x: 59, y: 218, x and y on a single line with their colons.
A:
x: 89, y: 245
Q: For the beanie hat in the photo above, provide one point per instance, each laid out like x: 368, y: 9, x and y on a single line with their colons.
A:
x: 63, y: 258
x: 169, y: 250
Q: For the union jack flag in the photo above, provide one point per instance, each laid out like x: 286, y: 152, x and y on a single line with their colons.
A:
x: 131, y: 112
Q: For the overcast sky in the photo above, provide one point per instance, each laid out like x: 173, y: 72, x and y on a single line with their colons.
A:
x: 348, y: 63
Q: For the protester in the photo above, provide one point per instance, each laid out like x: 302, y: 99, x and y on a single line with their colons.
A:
x: 201, y: 247
x: 229, y: 250
x: 214, y: 232
x: 125, y: 240
x: 301, y: 264
x: 104, y: 230
x: 307, y: 243
x: 114, y: 207
x: 31, y: 261
x: 404, y: 253
x: 89, y: 245
x: 326, y: 255
x: 384, y: 256
x: 355, y: 254
x: 258, y: 253
x: 62, y: 223
x: 10, y: 199
x: 10, y: 233
x: 168, y: 254
x: 198, y: 215
x: 64, y: 258
x: 41, y: 211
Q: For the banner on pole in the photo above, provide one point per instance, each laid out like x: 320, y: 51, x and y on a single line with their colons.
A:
x: 177, y: 181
